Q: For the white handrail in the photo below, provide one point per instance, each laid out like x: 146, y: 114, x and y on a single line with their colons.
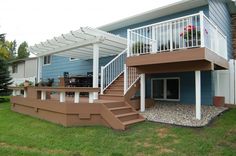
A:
x: 130, y: 77
x: 189, y: 31
x: 111, y: 71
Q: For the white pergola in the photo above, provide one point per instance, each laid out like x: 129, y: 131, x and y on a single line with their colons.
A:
x: 85, y: 43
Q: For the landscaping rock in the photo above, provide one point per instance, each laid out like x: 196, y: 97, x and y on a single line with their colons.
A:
x: 180, y: 114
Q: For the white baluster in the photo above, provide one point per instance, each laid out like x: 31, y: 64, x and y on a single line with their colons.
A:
x: 77, y: 97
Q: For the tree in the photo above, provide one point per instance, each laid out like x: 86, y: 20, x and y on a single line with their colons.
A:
x: 7, y: 48
x: 23, y: 51
x: 5, y: 79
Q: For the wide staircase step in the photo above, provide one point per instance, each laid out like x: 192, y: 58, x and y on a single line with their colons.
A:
x: 130, y: 122
x: 121, y: 110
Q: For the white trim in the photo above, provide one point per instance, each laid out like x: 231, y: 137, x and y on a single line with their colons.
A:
x: 165, y: 85
x: 49, y: 59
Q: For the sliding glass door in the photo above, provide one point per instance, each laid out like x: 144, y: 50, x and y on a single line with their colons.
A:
x: 166, y: 89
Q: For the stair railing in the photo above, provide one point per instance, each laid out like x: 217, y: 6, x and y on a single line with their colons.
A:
x: 111, y: 71
x: 130, y: 77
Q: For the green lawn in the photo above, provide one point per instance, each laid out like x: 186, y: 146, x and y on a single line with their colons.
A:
x: 24, y: 135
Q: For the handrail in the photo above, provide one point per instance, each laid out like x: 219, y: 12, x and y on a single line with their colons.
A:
x: 190, y: 31
x: 167, y: 21
x: 111, y: 71
x: 124, y: 51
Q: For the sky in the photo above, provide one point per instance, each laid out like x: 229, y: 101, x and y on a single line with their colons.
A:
x: 35, y: 21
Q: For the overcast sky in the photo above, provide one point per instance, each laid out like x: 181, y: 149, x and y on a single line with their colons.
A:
x: 35, y: 21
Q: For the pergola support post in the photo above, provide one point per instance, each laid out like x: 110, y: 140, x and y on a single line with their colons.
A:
x: 95, y: 68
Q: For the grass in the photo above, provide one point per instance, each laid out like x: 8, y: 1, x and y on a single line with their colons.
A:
x: 26, y: 136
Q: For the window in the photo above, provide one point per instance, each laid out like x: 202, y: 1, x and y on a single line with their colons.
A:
x: 14, y: 68
x: 166, y: 89
x: 47, y: 60
x: 73, y: 59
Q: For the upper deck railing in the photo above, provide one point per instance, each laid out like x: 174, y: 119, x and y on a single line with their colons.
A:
x: 190, y: 31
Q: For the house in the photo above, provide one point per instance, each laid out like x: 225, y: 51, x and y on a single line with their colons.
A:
x: 182, y: 52
x: 23, y: 69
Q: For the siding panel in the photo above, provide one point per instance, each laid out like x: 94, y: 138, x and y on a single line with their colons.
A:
x: 60, y: 64
x: 123, y: 31
x: 219, y: 14
x: 187, y: 86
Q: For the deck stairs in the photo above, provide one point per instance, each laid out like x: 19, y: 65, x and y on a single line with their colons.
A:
x: 121, y: 109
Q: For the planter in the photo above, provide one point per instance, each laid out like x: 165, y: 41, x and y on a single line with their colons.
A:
x: 219, y: 101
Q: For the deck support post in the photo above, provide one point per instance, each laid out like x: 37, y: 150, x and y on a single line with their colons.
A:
x: 198, y: 94
x: 142, y: 93
x: 77, y: 98
x: 95, y: 68
x: 91, y: 98
x: 43, y: 95
x: 62, y: 96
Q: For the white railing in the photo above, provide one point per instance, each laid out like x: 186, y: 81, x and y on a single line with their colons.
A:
x: 190, y: 31
x: 112, y: 70
x: 130, y: 77
x: 214, y: 39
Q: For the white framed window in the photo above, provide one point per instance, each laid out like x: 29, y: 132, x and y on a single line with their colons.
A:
x: 47, y: 60
x: 73, y: 59
x: 14, y: 68
x: 165, y: 89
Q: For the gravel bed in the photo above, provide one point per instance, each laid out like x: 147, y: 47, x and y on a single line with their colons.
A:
x: 180, y: 114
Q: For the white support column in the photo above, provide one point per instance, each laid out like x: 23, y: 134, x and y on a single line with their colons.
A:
x: 39, y: 69
x: 95, y: 68
x: 62, y: 96
x: 43, y: 95
x: 25, y: 93
x: 198, y: 94
x: 91, y: 98
x: 77, y: 98
x: 142, y: 93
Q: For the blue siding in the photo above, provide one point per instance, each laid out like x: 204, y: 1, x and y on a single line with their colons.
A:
x: 59, y: 65
x: 220, y: 15
x: 187, y: 86
x: 123, y: 31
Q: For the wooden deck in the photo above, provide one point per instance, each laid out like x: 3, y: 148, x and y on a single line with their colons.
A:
x: 53, y: 104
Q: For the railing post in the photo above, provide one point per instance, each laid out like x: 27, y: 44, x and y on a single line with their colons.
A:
x: 102, y: 79
x: 62, y: 97
x: 77, y: 97
x: 125, y: 79
x: 202, y: 29
x: 129, y: 42
x: 25, y: 93
x: 43, y: 95
x: 171, y: 37
x: 91, y: 99
x: 154, y: 43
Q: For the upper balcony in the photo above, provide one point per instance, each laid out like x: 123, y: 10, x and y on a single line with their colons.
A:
x: 183, y: 44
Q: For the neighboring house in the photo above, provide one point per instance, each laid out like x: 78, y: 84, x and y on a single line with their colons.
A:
x: 182, y: 52
x: 23, y: 69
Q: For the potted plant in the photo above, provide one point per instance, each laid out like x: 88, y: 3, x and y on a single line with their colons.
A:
x: 190, y: 35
